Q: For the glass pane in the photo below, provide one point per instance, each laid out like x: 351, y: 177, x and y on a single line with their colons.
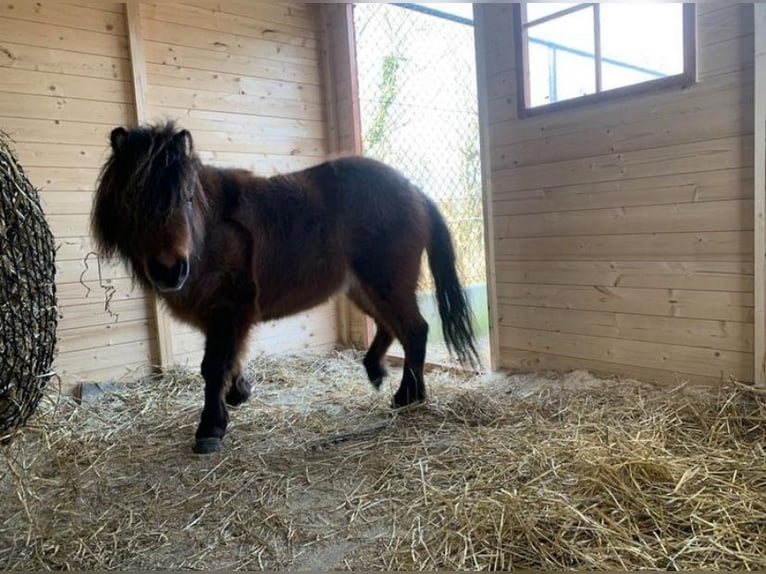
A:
x: 629, y: 55
x: 537, y: 10
x: 561, y: 60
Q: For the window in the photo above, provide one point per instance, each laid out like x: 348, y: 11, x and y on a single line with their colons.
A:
x: 569, y: 54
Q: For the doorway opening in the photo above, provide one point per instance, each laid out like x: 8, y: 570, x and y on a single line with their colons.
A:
x: 418, y: 104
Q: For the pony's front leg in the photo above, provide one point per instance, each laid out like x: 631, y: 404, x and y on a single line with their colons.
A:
x: 222, y: 349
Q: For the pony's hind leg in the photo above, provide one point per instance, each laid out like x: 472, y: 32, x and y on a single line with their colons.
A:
x: 373, y: 359
x: 413, y: 334
x: 397, y: 314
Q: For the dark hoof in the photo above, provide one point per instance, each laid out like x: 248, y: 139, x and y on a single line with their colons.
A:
x: 376, y: 382
x: 376, y: 372
x: 207, y: 445
x: 239, y: 392
x: 400, y: 401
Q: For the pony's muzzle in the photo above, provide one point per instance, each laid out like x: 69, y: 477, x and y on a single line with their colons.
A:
x: 167, y: 279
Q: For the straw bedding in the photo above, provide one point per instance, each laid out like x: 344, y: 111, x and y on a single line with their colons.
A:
x: 515, y: 472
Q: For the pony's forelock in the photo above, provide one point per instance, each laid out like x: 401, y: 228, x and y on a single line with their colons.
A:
x: 149, y: 174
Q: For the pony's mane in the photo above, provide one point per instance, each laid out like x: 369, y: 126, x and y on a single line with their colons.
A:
x: 151, y: 171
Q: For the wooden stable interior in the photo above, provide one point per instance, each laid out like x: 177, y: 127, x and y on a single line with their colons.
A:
x: 624, y: 237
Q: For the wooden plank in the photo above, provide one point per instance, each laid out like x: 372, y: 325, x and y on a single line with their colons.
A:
x: 92, y: 288
x: 112, y: 334
x: 675, y: 358
x: 186, y: 343
x: 60, y: 155
x: 688, y: 275
x: 501, y: 84
x: 351, y: 138
x: 138, y: 62
x: 342, y: 52
x: 86, y: 273
x: 61, y: 38
x: 74, y: 248
x: 250, y: 65
x: 306, y: 331
x: 735, y: 183
x: 521, y: 360
x: 68, y: 203
x: 71, y: 109
x: 353, y: 75
x: 137, y: 59
x: 103, y: 357
x: 730, y: 55
x: 759, y: 194
x: 30, y: 130
x: 245, y: 104
x: 126, y: 372
x: 253, y: 126
x: 712, y: 155
x: 710, y: 120
x: 725, y: 23
x: 697, y: 217
x: 68, y: 15
x: 665, y: 105
x: 223, y: 42
x: 247, y: 143
x: 503, y: 109
x: 115, y: 7
x: 708, y: 246
x: 93, y: 314
x: 262, y: 164
x: 233, y: 84
x: 21, y: 57
x: 499, y: 48
x: 330, y: 79
x: 709, y: 334
x: 191, y: 359
x: 287, y: 14
x: 56, y: 179
x: 487, y: 165
x: 45, y: 84
x: 718, y: 305
x: 331, y: 86
x: 253, y: 27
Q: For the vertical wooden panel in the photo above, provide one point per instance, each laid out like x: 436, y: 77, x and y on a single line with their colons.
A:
x: 343, y: 112
x: 760, y: 193
x: 480, y: 32
x: 138, y: 68
x: 333, y: 140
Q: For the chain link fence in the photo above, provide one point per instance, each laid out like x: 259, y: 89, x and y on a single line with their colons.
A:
x: 419, y: 112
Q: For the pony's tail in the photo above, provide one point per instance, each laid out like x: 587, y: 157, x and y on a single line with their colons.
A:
x: 454, y: 309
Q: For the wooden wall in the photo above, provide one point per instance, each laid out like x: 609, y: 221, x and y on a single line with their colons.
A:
x: 623, y: 231
x: 245, y: 79
x: 64, y: 83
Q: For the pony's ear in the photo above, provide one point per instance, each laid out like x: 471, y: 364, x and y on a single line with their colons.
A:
x: 184, y: 139
x: 118, y: 137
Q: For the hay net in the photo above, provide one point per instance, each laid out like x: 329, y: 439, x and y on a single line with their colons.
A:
x: 28, y: 314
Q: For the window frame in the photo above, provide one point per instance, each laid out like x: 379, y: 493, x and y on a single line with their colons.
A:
x: 684, y: 79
